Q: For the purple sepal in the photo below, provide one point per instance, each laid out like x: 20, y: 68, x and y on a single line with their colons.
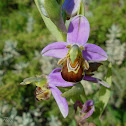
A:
x: 96, y: 80
x: 61, y: 101
x: 78, y: 31
x: 93, y: 52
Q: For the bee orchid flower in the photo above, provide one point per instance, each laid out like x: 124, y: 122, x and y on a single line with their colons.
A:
x: 47, y: 85
x: 76, y: 52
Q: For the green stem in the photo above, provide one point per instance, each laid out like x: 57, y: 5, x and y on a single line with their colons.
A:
x: 64, y: 36
x: 83, y: 96
x: 82, y: 10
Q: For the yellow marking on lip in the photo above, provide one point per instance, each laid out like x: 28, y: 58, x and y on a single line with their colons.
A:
x: 71, y: 68
x: 86, y: 65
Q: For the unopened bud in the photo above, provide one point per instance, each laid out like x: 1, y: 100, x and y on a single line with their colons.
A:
x: 70, y: 7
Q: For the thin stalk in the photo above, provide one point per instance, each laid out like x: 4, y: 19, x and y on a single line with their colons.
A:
x: 82, y: 10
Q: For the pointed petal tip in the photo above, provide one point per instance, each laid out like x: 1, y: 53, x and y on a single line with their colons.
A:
x: 105, y: 84
x: 96, y: 80
x: 57, y: 53
x: 105, y: 55
x: 42, y: 53
x: 22, y: 83
x: 61, y: 101
x: 64, y: 114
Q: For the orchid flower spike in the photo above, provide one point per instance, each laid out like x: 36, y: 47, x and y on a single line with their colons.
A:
x: 76, y: 52
x: 47, y: 85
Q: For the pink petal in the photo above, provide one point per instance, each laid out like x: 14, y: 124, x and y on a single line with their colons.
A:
x: 55, y: 45
x: 56, y: 79
x: 93, y: 52
x: 78, y: 31
x: 61, y: 101
x: 58, y: 53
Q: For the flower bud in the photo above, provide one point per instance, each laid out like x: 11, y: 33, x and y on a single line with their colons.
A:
x: 87, y: 108
x: 71, y: 7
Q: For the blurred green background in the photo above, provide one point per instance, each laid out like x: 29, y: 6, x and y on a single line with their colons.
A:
x: 23, y: 34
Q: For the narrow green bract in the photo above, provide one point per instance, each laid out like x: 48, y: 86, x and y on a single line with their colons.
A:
x: 39, y: 81
x: 50, y: 25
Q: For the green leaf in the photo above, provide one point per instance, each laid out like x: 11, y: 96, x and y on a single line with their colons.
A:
x: 42, y: 7
x: 39, y: 81
x: 75, y: 92
x: 104, y: 93
x: 51, y: 26
x: 124, y: 117
x: 55, y: 13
